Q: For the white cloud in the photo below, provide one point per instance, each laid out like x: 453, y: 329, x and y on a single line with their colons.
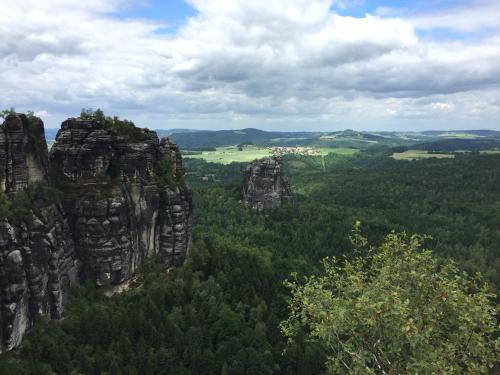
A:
x: 470, y: 17
x: 248, y: 62
x: 42, y: 113
x: 442, y: 106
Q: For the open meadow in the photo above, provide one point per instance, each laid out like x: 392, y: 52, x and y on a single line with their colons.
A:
x: 230, y: 154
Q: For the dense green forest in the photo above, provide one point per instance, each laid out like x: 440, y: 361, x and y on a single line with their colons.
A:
x: 221, y: 312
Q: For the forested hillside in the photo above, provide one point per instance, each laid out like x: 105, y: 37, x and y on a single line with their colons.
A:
x: 221, y: 312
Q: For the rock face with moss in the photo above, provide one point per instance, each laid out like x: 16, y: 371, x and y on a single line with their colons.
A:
x: 264, y: 184
x: 121, y: 202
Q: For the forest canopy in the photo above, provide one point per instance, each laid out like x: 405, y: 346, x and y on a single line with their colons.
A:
x: 221, y: 312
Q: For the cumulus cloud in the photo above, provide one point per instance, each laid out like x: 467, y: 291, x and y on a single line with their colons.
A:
x: 241, y: 63
x: 470, y: 17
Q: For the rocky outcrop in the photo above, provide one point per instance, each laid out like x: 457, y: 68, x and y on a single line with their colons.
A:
x: 38, y: 266
x: 264, y: 184
x: 121, y: 201
x: 37, y: 257
x: 23, y: 152
x: 125, y: 200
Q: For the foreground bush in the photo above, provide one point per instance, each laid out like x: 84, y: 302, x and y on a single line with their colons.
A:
x: 395, y: 310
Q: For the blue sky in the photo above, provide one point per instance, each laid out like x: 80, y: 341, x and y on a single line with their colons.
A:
x: 359, y: 9
x: 270, y: 64
x: 172, y: 12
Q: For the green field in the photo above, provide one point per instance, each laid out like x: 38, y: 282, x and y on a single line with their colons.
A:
x: 227, y: 155
x: 419, y: 154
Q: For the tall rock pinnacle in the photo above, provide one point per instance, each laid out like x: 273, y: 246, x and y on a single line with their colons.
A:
x: 264, y: 184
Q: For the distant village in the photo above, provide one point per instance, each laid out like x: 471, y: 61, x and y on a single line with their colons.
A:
x: 279, y: 151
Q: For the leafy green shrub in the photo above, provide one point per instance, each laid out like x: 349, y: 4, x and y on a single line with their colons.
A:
x: 397, y: 311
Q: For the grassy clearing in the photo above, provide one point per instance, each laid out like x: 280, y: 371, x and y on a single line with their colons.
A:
x: 419, y: 154
x: 227, y: 155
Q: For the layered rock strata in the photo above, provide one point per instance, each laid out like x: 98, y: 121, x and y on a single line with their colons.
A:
x: 121, y: 202
x: 264, y: 184
x: 23, y: 152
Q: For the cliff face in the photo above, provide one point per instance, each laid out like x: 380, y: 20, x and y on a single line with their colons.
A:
x: 264, y: 184
x: 23, y: 152
x: 124, y: 213
x: 37, y: 258
x: 122, y: 202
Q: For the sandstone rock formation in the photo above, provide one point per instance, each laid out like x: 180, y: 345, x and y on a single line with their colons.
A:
x: 264, y: 184
x: 120, y: 202
x: 23, y: 152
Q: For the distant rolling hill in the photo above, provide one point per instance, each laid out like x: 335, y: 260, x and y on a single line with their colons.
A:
x: 433, y: 140
x: 451, y: 140
x: 168, y: 132
x: 196, y: 140
x: 219, y: 138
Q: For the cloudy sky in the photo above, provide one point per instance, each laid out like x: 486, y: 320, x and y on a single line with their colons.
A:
x: 270, y: 64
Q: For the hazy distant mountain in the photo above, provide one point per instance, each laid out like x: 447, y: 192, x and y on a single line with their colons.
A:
x: 206, y: 138
x: 168, y: 132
